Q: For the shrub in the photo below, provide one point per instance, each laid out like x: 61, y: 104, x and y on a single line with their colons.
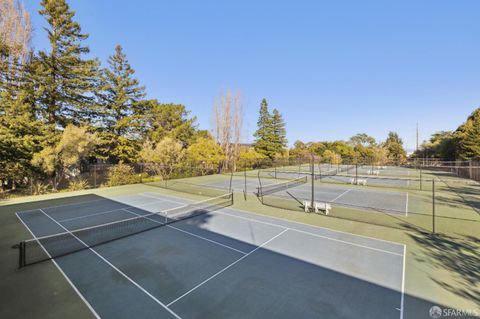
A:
x: 77, y: 185
x: 122, y: 174
x: 39, y: 188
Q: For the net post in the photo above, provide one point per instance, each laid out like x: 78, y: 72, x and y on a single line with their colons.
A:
x: 21, y: 255
x: 94, y: 175
x: 259, y: 189
x: 433, y: 206
x: 245, y: 179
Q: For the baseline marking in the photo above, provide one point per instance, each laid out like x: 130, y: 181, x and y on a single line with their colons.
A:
x: 64, y: 205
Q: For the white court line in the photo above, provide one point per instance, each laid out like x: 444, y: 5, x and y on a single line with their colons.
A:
x: 89, y: 306
x: 402, y: 301
x: 226, y: 268
x: 65, y: 205
x: 345, y: 192
x: 311, y: 234
x: 189, y: 233
x: 115, y: 268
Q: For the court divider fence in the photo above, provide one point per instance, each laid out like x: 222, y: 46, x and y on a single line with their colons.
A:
x: 430, y: 204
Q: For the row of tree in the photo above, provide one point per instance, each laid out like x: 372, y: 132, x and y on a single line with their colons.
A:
x: 360, y: 148
x: 60, y: 110
x: 461, y: 144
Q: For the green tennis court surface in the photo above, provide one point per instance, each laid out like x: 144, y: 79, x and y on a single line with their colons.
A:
x: 222, y: 263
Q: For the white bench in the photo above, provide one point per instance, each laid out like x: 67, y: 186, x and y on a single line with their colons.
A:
x: 360, y: 181
x: 326, y: 207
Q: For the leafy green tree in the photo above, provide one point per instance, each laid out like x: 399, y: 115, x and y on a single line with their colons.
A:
x: 362, y: 139
x: 66, y: 82
x: 469, y: 137
x: 332, y: 157
x: 317, y: 148
x: 64, y: 160
x: 279, y: 136
x: 205, y: 150
x: 364, y: 154
x: 299, y: 150
x: 395, y: 151
x: 345, y: 150
x: 163, y: 157
x: 205, y: 155
x: 443, y: 144
x: 169, y: 120
x: 264, y: 135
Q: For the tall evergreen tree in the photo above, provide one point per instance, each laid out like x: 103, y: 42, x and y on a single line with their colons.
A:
x: 122, y: 109
x: 264, y: 134
x: 279, y: 132
x: 21, y: 134
x: 66, y: 81
x: 469, y: 137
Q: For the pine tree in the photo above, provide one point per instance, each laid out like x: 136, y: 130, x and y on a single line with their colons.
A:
x: 21, y: 133
x: 279, y: 132
x: 66, y: 82
x: 264, y: 134
x: 469, y: 137
x: 121, y: 108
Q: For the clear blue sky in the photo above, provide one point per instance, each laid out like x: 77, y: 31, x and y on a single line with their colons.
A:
x: 333, y: 68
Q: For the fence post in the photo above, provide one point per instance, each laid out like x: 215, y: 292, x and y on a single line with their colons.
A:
x: 356, y: 173
x: 312, y: 171
x: 94, y: 175
x: 433, y: 206
x: 245, y: 174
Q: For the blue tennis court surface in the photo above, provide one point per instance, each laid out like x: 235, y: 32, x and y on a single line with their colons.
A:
x: 221, y: 264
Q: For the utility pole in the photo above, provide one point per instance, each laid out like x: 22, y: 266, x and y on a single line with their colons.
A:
x: 416, y: 149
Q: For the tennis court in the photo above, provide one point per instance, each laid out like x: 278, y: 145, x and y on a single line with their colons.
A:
x: 395, y: 202
x: 217, y: 263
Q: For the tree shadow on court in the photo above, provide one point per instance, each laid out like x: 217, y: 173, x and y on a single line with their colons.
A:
x: 459, y: 256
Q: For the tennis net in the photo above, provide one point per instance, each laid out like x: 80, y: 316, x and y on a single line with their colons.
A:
x: 48, y: 247
x: 270, y: 189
